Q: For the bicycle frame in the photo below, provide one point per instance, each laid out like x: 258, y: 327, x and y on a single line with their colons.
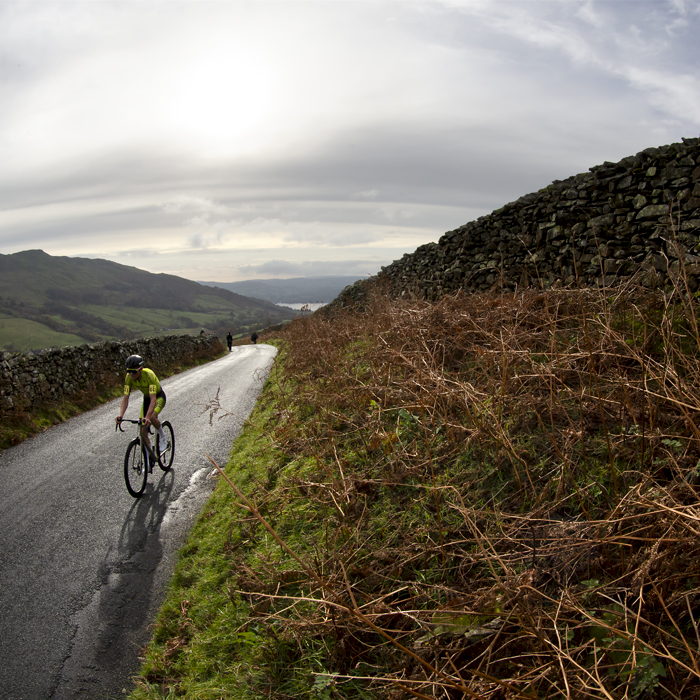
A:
x: 138, y: 461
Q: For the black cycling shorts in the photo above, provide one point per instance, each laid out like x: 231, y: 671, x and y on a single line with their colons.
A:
x: 160, y: 403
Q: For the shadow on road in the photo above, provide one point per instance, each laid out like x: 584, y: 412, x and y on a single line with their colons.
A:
x: 110, y: 630
x: 146, y: 513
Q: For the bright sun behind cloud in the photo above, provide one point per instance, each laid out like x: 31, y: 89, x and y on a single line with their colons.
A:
x: 221, y: 100
x: 216, y: 132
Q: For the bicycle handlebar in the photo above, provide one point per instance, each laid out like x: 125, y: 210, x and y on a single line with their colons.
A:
x: 118, y: 424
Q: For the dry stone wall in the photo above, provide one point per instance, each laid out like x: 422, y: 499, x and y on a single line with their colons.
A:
x: 36, y: 378
x: 637, y: 218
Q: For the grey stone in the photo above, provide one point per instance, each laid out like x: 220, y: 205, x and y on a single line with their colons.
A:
x: 653, y: 210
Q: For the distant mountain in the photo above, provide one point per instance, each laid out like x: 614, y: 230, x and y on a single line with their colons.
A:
x: 298, y: 290
x: 48, y: 301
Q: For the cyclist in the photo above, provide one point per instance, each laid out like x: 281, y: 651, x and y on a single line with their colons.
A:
x: 140, y: 377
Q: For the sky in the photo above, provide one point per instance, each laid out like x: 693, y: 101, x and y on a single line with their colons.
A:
x: 231, y: 140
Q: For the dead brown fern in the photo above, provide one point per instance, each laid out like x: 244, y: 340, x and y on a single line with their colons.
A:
x: 509, y: 489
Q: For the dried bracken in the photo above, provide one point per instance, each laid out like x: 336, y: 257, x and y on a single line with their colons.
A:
x: 506, y: 487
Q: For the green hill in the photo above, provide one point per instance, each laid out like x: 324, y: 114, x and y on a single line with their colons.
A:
x: 55, y: 301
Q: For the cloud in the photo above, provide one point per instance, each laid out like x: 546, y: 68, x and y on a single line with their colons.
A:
x: 197, y: 241
x: 188, y: 203
x: 225, y: 135
x: 134, y: 254
x: 308, y: 268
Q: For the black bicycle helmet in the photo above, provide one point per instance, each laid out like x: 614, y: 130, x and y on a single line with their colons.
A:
x: 134, y: 362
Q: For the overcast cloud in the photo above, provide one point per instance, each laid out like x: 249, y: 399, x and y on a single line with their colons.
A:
x: 233, y: 140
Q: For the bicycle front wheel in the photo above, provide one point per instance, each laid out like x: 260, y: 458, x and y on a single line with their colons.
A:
x: 166, y: 453
x: 135, y: 468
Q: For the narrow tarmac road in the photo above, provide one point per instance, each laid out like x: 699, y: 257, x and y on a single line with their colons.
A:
x: 83, y: 566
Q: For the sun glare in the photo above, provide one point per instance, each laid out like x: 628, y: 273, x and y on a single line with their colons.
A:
x: 221, y: 103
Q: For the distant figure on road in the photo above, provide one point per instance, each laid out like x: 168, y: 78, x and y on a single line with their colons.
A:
x: 254, y: 337
x: 201, y: 332
x: 229, y: 341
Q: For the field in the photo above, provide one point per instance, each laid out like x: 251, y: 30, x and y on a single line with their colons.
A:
x: 23, y: 334
x: 144, y: 321
x: 20, y: 334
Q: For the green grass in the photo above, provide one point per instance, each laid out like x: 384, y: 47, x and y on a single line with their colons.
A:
x: 20, y: 334
x: 209, y: 641
x: 206, y: 647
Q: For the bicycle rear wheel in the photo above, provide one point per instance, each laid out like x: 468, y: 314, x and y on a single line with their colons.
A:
x: 135, y: 468
x: 165, y: 458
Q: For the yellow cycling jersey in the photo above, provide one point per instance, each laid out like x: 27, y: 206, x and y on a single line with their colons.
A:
x: 147, y: 383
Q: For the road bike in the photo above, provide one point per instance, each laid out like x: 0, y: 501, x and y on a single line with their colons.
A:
x: 137, y: 461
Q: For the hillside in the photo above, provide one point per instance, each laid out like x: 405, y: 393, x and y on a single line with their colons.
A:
x: 492, y: 496
x: 56, y: 301
x: 480, y: 482
x: 296, y: 290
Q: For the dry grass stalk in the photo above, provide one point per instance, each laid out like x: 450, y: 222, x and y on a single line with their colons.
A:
x: 509, y: 488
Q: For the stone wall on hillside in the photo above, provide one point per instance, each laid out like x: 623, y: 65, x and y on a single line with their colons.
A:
x: 36, y: 378
x: 639, y: 217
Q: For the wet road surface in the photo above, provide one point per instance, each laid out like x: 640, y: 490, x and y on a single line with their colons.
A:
x: 83, y: 565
